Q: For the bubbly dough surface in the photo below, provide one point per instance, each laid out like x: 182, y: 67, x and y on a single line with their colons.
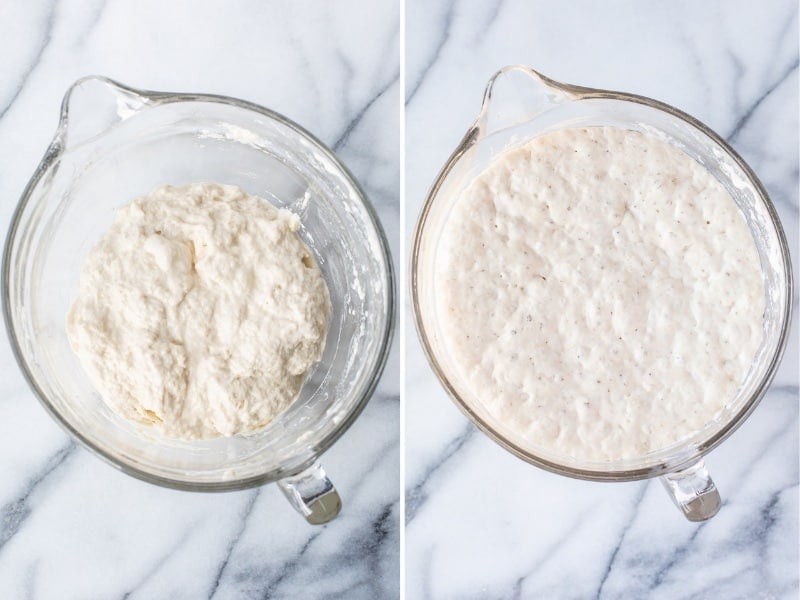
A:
x: 200, y: 311
x: 600, y: 293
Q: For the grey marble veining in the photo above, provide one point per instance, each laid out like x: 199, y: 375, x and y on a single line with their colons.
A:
x: 483, y: 524
x: 70, y: 525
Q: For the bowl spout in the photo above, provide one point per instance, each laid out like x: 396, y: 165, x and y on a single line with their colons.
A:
x: 92, y: 106
x: 516, y: 94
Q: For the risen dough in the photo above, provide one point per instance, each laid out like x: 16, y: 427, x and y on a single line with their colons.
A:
x: 199, y: 311
x: 600, y: 293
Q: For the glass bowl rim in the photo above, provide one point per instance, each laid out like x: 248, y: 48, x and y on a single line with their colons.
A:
x: 578, y: 94
x: 54, y: 152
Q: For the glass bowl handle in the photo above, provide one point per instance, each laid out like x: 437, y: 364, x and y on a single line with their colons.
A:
x: 312, y: 494
x: 693, y: 491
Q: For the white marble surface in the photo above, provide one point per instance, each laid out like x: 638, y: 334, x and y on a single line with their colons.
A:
x: 72, y: 526
x: 483, y: 524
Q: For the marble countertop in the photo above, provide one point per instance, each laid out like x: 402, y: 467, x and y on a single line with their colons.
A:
x: 483, y: 524
x: 480, y: 523
x: 70, y: 525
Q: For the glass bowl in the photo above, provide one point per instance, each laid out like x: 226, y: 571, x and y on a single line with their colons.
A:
x: 520, y: 104
x: 114, y: 144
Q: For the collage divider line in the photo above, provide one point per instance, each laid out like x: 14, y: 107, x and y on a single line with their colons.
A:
x: 401, y: 296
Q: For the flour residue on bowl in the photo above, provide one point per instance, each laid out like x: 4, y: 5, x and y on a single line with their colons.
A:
x: 599, y: 294
x: 200, y: 311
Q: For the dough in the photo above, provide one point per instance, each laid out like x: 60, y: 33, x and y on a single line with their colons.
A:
x: 200, y: 311
x: 600, y: 293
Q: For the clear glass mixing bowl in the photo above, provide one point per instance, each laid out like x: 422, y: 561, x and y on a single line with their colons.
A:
x: 115, y: 143
x: 520, y: 104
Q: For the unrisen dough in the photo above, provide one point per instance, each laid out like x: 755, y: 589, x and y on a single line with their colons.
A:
x: 600, y: 293
x: 199, y: 311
